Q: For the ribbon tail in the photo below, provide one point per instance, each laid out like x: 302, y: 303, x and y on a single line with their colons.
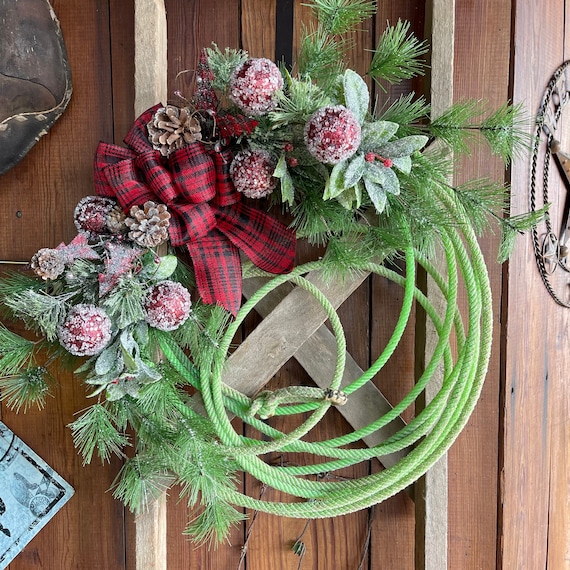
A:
x: 217, y: 268
x: 268, y: 243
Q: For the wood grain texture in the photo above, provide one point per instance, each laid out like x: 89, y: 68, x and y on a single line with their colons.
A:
x: 45, y: 187
x: 481, y: 72
x: 536, y: 348
x: 151, y: 79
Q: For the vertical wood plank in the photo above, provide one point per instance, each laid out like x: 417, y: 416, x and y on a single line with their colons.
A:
x: 393, y: 522
x: 45, y: 187
x: 193, y: 25
x: 431, y: 492
x: 536, y: 348
x: 151, y: 66
x: 482, y: 71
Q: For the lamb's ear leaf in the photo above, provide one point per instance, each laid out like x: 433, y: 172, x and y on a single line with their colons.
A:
x: 356, y: 95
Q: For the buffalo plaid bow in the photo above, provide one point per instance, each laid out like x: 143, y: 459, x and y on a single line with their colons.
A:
x: 208, y: 216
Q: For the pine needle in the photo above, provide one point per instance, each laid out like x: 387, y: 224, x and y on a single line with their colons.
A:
x: 341, y: 16
x: 26, y: 389
x: 397, y: 55
x: 94, y: 431
x: 16, y: 352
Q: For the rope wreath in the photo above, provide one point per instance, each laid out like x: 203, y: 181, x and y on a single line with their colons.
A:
x: 428, y: 436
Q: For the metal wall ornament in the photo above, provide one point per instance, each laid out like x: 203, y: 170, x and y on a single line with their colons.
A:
x: 35, y: 77
x: 551, y: 237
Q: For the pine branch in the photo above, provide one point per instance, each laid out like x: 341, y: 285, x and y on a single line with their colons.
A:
x: 16, y: 352
x: 223, y: 64
x: 26, y: 389
x: 407, y: 112
x: 94, y: 431
x: 397, y: 55
x: 456, y: 126
x: 341, y: 16
x: 320, y: 56
x: 212, y: 526
x: 515, y: 225
x: 140, y: 482
x: 297, y: 102
x: 124, y: 304
x: 505, y: 132
x: 39, y: 311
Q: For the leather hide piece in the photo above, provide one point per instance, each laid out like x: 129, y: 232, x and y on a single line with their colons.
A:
x: 35, y: 78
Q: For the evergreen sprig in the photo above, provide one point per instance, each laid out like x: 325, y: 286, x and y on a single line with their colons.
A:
x: 505, y: 132
x: 222, y: 64
x: 320, y: 56
x: 26, y: 389
x: 408, y: 112
x: 16, y: 352
x: 397, y: 55
x: 94, y: 431
x: 341, y: 16
x: 40, y: 311
x: 513, y: 226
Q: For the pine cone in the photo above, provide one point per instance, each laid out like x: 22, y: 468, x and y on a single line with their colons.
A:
x: 48, y: 263
x: 148, y: 226
x: 116, y: 220
x: 172, y: 128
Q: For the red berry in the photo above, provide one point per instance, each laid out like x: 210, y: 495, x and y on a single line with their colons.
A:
x: 288, y: 147
x: 253, y: 85
x: 85, y: 331
x: 167, y: 305
x: 369, y: 157
x: 293, y: 162
x: 252, y: 173
x: 332, y: 134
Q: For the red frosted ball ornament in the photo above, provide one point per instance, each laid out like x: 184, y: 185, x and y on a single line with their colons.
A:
x: 86, y: 330
x: 167, y: 305
x: 252, y: 173
x: 91, y: 214
x: 332, y: 134
x: 253, y: 85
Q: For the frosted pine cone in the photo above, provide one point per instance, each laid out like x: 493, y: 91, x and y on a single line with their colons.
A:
x: 173, y: 128
x: 332, y: 134
x: 252, y: 173
x: 86, y: 330
x: 167, y: 305
x: 253, y: 85
x: 148, y: 225
x: 116, y: 220
x: 48, y: 263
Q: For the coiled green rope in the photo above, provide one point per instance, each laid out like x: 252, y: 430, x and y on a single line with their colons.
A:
x: 427, y: 437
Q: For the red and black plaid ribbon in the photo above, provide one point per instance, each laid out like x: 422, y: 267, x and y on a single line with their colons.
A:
x: 208, y: 216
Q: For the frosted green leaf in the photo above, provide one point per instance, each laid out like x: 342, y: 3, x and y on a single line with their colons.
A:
x: 351, y: 198
x: 377, y: 194
x: 391, y: 182
x: 403, y: 164
x: 376, y: 134
x: 166, y: 268
x: 375, y: 172
x: 107, y: 361
x: 403, y: 147
x: 287, y: 187
x: 354, y: 171
x: 335, y: 184
x: 356, y: 94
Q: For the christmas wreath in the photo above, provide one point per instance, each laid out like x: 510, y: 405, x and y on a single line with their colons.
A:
x: 148, y: 294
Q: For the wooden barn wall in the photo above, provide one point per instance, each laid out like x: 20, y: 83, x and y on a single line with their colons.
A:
x: 505, y: 510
